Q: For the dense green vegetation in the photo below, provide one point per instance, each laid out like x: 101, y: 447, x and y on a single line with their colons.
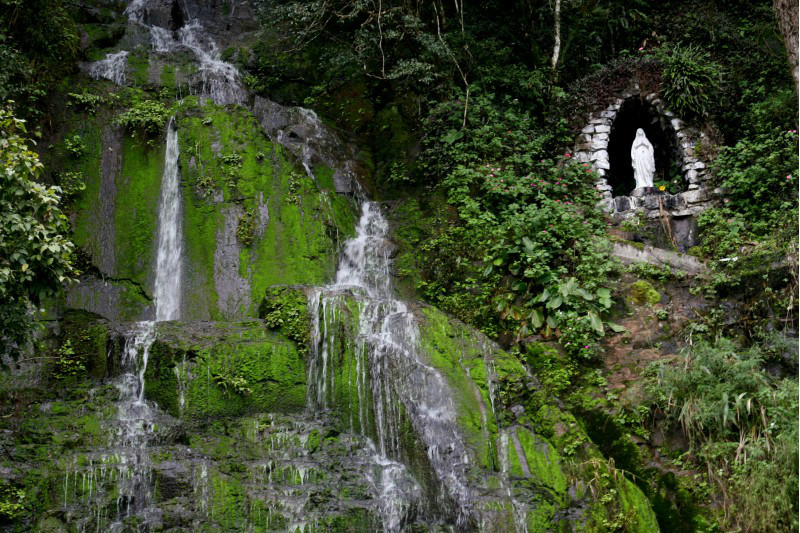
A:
x: 465, y: 116
x: 471, y: 121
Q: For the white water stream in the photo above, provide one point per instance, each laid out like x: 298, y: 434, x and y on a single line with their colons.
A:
x: 135, y: 416
x: 389, y: 375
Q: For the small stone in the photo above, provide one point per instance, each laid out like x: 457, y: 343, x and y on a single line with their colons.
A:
x: 693, y: 187
x: 695, y: 196
x: 588, y: 129
x: 603, y: 129
x: 599, y: 144
x: 601, y: 172
x: 691, y: 175
x: 600, y: 137
x: 608, y: 114
x: 699, y: 165
x: 600, y: 155
x: 622, y: 203
x: 606, y: 205
x: 602, y: 164
x: 582, y: 157
x: 676, y: 123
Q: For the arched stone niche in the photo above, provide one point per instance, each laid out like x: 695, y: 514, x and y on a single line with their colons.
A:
x: 606, y: 141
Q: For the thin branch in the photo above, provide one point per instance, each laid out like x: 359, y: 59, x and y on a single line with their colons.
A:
x: 455, y: 61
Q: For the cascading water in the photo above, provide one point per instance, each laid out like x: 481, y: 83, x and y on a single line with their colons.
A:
x: 168, y: 255
x: 134, y: 414
x: 389, y: 376
x: 111, y: 68
x: 215, y: 78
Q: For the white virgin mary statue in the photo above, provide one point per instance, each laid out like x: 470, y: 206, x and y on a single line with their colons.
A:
x: 642, y: 160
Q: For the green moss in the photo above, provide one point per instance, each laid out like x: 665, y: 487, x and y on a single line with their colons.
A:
x: 642, y: 292
x: 455, y: 353
x: 88, y: 336
x: 138, y: 63
x: 284, y: 309
x: 136, y: 214
x: 543, y: 460
x: 168, y: 76
x: 241, y: 369
x: 228, y: 160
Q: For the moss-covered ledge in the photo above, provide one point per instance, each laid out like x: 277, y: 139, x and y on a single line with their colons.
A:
x: 206, y: 370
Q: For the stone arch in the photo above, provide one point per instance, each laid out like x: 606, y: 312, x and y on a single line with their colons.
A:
x: 676, y: 153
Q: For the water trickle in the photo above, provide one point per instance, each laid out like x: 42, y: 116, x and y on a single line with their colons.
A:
x: 111, y: 68
x: 135, y: 415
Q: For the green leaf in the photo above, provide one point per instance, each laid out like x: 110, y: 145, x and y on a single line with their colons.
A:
x: 555, y: 303
x: 595, y: 322
x: 537, y: 318
x: 452, y: 136
x: 616, y: 328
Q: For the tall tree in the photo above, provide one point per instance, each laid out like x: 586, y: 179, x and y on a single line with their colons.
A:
x: 787, y: 13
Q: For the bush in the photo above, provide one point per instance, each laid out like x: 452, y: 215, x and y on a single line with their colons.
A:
x: 741, y: 423
x: 690, y: 79
x: 146, y: 117
x: 246, y: 228
x: 759, y: 175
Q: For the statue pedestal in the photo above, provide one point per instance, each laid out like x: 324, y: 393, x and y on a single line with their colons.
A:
x: 645, y: 191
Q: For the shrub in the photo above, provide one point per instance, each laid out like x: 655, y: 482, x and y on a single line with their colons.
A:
x: 246, y: 228
x: 72, y: 184
x: 146, y: 117
x: 74, y: 146
x: 690, y: 79
x: 741, y: 423
x: 759, y: 175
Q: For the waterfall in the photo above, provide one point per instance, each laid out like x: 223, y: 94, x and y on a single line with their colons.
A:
x: 135, y: 416
x: 168, y: 255
x: 216, y: 79
x: 389, y: 374
x: 111, y: 68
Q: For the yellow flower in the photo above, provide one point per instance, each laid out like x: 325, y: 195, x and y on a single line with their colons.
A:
x: 661, y: 188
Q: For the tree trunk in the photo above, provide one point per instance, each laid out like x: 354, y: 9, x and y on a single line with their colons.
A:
x: 557, y: 44
x: 786, y: 12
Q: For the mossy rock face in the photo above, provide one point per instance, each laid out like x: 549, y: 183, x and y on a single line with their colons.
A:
x: 231, y: 171
x: 88, y: 336
x: 540, y: 449
x: 208, y: 370
x: 232, y: 178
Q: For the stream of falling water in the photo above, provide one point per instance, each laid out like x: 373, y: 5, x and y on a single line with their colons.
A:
x: 135, y: 416
x: 389, y: 376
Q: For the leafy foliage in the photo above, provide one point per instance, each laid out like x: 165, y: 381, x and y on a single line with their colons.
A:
x: 760, y: 176
x: 690, y: 79
x: 246, y: 228
x: 146, y: 117
x: 67, y: 363
x: 742, y: 423
x: 34, y: 250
